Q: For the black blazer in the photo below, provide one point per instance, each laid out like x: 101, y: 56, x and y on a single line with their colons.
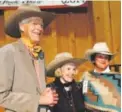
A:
x: 68, y: 101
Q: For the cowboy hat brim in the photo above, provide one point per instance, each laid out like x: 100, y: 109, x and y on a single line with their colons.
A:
x: 58, y: 63
x: 12, y: 25
x: 91, y: 52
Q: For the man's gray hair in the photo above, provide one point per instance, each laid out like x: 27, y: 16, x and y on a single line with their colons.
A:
x: 27, y: 20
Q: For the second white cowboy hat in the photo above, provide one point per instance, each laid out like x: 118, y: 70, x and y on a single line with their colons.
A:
x: 61, y: 59
x: 23, y: 12
x: 100, y: 47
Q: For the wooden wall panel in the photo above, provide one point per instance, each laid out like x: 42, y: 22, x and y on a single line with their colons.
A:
x: 105, y: 17
x: 116, y: 29
x: 62, y: 32
x: 96, y: 14
x: 2, y: 34
x: 49, y: 42
x: 83, y: 36
x: 69, y: 32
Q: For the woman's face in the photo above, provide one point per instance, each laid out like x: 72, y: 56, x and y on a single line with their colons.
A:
x: 101, y: 61
x: 67, y: 72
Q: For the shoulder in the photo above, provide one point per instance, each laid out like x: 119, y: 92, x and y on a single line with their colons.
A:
x: 7, y: 49
x: 87, y: 74
x: 113, y: 74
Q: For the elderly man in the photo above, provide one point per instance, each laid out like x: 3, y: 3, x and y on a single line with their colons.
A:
x: 101, y: 87
x: 22, y: 77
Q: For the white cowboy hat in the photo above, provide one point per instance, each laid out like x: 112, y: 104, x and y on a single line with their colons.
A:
x: 61, y: 59
x: 23, y: 12
x: 100, y: 47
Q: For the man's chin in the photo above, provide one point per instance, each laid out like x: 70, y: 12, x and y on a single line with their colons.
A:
x: 36, y: 41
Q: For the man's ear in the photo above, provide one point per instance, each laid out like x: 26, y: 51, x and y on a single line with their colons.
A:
x: 21, y: 26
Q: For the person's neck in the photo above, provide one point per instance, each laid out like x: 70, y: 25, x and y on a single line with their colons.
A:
x: 65, y: 83
x: 28, y: 41
x: 99, y: 70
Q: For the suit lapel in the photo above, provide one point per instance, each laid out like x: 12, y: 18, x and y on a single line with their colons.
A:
x: 42, y: 74
x: 28, y: 62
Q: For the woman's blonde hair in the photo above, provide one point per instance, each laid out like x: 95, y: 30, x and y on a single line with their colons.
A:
x: 58, y: 72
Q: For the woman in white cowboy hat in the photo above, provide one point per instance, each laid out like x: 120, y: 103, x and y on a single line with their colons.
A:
x: 22, y: 77
x: 101, y: 87
x: 64, y: 67
x: 100, y: 56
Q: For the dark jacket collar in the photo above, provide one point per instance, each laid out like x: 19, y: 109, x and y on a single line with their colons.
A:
x: 60, y: 84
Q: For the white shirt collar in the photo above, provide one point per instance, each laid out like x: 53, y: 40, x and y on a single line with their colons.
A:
x: 67, y: 88
x: 105, y: 71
